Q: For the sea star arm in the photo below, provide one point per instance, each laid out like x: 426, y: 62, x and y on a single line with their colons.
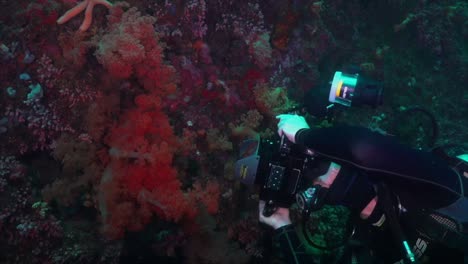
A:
x: 88, y: 17
x: 72, y: 12
x: 89, y: 6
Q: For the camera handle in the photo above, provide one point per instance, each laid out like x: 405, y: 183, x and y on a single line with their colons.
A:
x: 270, y: 208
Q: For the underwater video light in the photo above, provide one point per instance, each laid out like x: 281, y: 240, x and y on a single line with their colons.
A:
x: 354, y: 90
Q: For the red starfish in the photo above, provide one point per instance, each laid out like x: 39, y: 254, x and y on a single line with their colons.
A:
x: 88, y: 5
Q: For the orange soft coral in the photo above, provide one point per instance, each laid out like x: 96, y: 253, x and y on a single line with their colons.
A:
x: 208, y: 195
x: 272, y: 101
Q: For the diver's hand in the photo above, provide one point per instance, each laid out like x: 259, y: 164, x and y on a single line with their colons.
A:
x: 289, y: 125
x: 278, y: 219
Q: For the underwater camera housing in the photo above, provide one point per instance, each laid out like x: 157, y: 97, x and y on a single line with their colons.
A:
x: 284, y: 170
x: 281, y: 169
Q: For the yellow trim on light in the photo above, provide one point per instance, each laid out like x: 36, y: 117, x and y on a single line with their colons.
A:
x: 243, y: 172
x: 338, y: 88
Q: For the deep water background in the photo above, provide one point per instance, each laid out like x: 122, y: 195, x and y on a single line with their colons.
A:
x: 118, y: 143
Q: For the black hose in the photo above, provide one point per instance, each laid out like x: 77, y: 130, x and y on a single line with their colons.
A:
x: 413, y: 109
x: 391, y: 216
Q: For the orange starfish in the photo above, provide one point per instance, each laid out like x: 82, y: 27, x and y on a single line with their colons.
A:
x: 88, y: 5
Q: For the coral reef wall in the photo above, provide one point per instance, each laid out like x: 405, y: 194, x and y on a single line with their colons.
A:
x: 119, y: 122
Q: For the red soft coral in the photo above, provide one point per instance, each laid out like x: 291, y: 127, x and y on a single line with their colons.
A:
x: 141, y: 173
x: 140, y: 178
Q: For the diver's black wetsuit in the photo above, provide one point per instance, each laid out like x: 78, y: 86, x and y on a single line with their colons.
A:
x: 418, y: 180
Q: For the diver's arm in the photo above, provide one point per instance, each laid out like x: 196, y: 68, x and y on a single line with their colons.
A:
x: 420, y: 178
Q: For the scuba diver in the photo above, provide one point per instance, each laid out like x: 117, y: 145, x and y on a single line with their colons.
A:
x: 407, y: 205
x: 420, y: 197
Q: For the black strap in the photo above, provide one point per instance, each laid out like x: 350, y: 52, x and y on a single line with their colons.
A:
x: 289, y: 246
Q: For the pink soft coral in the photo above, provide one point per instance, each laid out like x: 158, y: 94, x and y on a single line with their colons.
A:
x: 131, y: 48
